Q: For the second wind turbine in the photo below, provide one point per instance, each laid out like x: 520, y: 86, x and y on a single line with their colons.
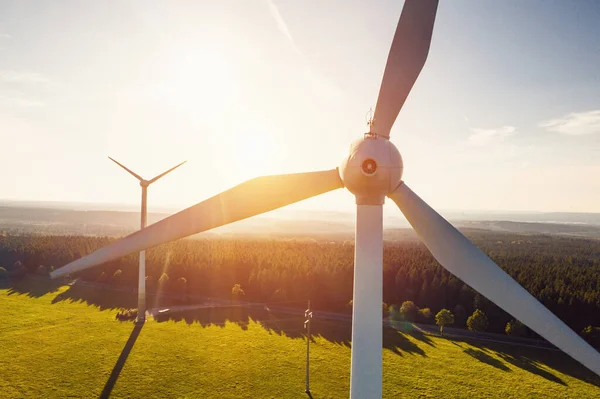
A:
x: 141, y: 313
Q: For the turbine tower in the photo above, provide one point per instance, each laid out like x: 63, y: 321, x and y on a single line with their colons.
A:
x: 371, y: 172
x: 141, y: 314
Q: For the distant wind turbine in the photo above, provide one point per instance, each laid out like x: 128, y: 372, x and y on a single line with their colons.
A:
x: 141, y: 314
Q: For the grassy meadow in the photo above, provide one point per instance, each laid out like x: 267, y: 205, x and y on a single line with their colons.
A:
x: 56, y: 343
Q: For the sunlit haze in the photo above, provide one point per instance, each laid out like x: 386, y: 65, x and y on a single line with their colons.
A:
x: 504, y: 116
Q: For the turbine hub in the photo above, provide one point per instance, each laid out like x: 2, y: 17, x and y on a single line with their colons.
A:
x: 144, y: 183
x: 372, y: 169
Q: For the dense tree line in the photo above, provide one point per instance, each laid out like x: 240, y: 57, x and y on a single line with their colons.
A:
x: 564, y: 273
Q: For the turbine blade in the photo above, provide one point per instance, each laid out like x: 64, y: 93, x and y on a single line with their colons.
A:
x: 463, y: 259
x: 127, y: 169
x: 164, y: 173
x: 250, y: 198
x: 408, y: 54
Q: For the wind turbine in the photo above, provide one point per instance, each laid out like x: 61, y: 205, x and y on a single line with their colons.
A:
x: 141, y: 314
x: 371, y: 171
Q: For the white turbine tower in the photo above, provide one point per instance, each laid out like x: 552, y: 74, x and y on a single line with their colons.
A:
x: 141, y: 314
x: 371, y: 171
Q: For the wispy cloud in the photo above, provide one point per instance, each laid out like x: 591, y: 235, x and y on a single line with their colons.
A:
x: 283, y: 28
x: 314, y: 79
x: 7, y: 76
x: 575, y: 124
x: 21, y: 102
x: 481, y: 137
x: 20, y: 88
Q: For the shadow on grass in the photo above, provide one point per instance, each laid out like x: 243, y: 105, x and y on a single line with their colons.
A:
x: 32, y: 286
x: 529, y: 365
x: 485, y: 358
x: 112, y: 298
x: 35, y: 286
x: 290, y: 325
x: 98, y: 297
x: 409, y: 328
x: 555, y: 360
x: 219, y: 316
x: 338, y: 331
x: 529, y: 359
x: 114, y: 375
x: 398, y: 343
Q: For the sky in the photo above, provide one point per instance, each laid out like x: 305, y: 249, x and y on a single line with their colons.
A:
x: 505, y: 115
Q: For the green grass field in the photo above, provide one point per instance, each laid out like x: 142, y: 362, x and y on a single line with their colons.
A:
x: 56, y: 345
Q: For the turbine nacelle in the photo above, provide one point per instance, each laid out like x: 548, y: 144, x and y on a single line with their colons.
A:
x: 372, y: 169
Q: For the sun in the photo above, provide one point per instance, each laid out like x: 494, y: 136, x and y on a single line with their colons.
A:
x: 203, y: 84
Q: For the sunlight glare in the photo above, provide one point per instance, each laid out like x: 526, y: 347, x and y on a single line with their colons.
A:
x: 199, y: 81
x: 255, y: 153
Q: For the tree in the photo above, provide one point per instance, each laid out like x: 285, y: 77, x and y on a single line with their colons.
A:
x: 444, y: 318
x: 163, y: 280
x: 237, y: 291
x: 515, y: 328
x: 384, y: 310
x: 181, y: 285
x: 117, y: 275
x: 564, y: 274
x: 478, y: 321
x: 3, y: 274
x: 425, y: 315
x: 409, y: 310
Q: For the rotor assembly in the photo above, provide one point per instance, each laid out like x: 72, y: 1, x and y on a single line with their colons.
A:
x: 372, y: 169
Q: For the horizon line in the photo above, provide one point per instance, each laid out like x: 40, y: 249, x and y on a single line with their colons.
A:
x: 64, y: 205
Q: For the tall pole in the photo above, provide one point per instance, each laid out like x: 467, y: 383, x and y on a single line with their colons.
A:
x: 308, y: 316
x: 141, y: 315
x: 366, y: 370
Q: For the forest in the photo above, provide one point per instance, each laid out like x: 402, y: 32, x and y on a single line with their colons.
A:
x: 563, y: 273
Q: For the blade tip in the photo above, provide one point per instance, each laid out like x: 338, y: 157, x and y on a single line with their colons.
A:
x: 54, y: 275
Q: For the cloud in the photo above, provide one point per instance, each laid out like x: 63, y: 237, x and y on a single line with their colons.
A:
x: 21, y: 102
x: 5, y: 35
x: 283, y: 28
x: 14, y: 93
x: 315, y: 80
x: 7, y: 76
x: 575, y: 124
x: 481, y: 137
